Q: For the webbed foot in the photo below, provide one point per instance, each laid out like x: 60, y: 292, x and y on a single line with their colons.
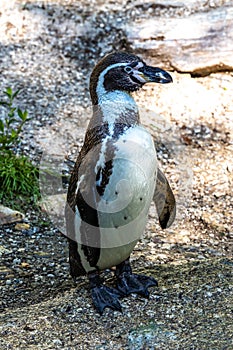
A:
x: 103, y: 296
x: 129, y: 282
x: 132, y: 283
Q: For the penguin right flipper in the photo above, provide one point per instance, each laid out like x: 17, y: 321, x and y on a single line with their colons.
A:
x: 77, y: 206
x: 164, y: 201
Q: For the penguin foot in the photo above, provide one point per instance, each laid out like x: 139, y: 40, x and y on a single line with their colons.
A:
x: 132, y: 283
x: 129, y: 282
x: 104, y: 296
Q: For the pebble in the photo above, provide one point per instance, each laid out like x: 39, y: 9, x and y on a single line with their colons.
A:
x: 16, y: 261
x: 22, y: 226
x: 57, y: 342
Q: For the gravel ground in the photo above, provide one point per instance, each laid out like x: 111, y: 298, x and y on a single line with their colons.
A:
x: 48, y: 49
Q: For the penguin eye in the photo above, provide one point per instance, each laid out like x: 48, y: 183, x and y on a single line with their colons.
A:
x: 128, y: 69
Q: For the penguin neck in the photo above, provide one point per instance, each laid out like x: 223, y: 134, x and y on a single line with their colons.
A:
x: 118, y: 107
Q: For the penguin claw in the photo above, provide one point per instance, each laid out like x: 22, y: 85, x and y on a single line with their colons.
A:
x: 104, y: 296
x: 132, y: 283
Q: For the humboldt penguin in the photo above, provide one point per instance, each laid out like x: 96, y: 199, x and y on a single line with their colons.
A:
x: 114, y: 180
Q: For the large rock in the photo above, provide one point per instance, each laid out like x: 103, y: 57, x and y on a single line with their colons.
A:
x: 8, y: 215
x: 199, y: 44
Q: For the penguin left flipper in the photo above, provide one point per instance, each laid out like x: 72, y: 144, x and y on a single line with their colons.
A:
x: 164, y: 201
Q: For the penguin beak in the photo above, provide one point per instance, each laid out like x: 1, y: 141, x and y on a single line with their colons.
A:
x: 156, y: 75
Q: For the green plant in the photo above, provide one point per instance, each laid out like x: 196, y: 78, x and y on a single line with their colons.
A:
x: 18, y: 176
x: 11, y: 125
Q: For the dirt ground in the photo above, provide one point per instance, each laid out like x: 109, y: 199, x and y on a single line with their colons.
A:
x: 48, y: 48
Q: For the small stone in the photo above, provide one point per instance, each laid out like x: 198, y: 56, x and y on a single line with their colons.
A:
x: 57, y: 342
x: 22, y: 226
x: 24, y: 265
x: 16, y: 261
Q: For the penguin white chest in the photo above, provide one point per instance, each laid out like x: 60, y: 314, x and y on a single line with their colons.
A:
x: 125, y: 203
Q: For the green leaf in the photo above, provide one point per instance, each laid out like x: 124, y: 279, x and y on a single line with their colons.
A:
x: 13, y: 133
x: 4, y: 103
x: 22, y: 115
x: 8, y: 92
x: 25, y: 115
x: 1, y: 126
x: 15, y: 93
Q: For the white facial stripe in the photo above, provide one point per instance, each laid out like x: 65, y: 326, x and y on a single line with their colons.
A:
x: 100, y: 86
x: 139, y: 75
x: 139, y: 65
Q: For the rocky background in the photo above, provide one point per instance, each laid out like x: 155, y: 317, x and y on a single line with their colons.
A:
x: 48, y: 49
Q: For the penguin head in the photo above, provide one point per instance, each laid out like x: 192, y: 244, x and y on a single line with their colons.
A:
x: 125, y: 72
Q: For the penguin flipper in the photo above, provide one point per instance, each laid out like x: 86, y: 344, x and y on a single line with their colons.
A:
x: 76, y: 268
x: 164, y: 201
x: 81, y: 208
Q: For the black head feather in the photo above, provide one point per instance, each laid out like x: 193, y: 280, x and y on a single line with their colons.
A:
x: 115, y: 78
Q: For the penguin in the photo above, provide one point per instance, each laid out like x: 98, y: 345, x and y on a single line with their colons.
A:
x: 114, y: 180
